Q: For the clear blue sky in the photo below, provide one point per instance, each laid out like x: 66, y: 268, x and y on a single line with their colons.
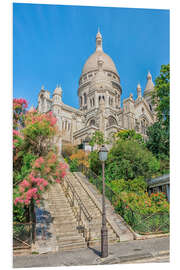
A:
x: 51, y: 44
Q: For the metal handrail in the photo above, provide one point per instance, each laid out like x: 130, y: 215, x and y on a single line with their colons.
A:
x: 83, y: 226
x: 80, y: 203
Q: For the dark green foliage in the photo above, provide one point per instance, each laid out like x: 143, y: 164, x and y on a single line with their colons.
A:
x: 73, y: 165
x: 158, y: 140
x: 161, y: 95
x: 129, y: 160
x: 95, y: 163
x: 25, y: 169
x: 158, y: 133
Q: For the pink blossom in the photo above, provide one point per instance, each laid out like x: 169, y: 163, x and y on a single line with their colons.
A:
x: 57, y: 181
x: 16, y: 132
x: 24, y: 183
x: 45, y: 183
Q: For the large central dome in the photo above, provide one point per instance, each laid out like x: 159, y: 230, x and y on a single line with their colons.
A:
x: 91, y: 63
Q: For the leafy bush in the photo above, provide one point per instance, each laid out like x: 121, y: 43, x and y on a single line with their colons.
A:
x: 137, y: 185
x: 95, y: 163
x: 73, y: 165
x: 129, y: 160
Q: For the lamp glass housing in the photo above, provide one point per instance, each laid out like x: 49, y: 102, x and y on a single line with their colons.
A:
x: 103, y: 153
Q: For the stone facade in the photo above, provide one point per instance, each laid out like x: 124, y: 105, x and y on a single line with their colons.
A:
x: 100, y: 108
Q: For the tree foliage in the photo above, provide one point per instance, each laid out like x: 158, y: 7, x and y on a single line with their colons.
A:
x: 129, y: 135
x: 97, y: 139
x: 128, y: 160
x: 158, y: 133
x: 161, y: 95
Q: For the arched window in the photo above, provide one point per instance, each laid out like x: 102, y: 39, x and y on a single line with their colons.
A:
x: 85, y: 98
x: 111, y: 121
x: 92, y: 122
x: 144, y: 125
x: 90, y: 102
x: 93, y: 102
x: 80, y: 100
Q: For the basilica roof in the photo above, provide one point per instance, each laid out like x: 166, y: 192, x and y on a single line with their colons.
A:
x: 91, y: 63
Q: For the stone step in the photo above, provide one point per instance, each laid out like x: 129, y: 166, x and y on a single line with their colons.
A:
x: 68, y: 233
x: 64, y: 221
x: 66, y: 247
x: 97, y: 242
x: 70, y: 239
x: 62, y: 228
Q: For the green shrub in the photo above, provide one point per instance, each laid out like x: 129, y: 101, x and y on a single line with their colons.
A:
x: 74, y: 167
x: 129, y: 160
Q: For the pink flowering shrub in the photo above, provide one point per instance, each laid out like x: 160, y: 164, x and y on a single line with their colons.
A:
x: 39, y: 179
x: 35, y: 161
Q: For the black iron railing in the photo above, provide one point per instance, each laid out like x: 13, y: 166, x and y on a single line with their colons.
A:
x: 80, y: 211
x: 22, y: 235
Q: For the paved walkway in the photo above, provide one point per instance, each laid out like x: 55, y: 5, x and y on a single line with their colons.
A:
x: 124, y: 252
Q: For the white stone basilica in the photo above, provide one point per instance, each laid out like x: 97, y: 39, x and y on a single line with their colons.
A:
x: 100, y: 108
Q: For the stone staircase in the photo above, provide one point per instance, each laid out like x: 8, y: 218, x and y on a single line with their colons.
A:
x: 64, y: 222
x: 75, y: 216
x: 117, y: 231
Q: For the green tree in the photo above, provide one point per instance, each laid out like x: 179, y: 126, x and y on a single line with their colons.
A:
x: 158, y: 133
x: 158, y: 140
x: 128, y: 160
x: 97, y: 139
x: 130, y: 135
x: 161, y: 95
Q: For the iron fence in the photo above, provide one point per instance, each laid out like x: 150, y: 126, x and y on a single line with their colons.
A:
x: 22, y: 235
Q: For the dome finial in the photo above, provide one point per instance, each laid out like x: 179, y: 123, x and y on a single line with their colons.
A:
x: 149, y: 76
x: 139, y: 90
x: 98, y: 41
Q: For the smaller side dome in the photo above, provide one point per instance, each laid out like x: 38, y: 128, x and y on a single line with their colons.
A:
x: 149, y: 85
x: 149, y: 76
x: 139, y: 90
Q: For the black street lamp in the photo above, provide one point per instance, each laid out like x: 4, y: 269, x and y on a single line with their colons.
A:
x: 104, y: 232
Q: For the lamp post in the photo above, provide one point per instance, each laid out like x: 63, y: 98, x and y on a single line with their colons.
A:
x: 104, y: 232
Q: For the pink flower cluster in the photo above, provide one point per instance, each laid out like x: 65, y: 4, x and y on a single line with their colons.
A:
x: 39, y: 162
x: 40, y: 182
x: 33, y: 118
x: 31, y: 189
x: 20, y: 101
x: 16, y: 132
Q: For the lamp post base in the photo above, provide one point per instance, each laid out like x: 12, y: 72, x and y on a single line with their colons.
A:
x: 104, y: 242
